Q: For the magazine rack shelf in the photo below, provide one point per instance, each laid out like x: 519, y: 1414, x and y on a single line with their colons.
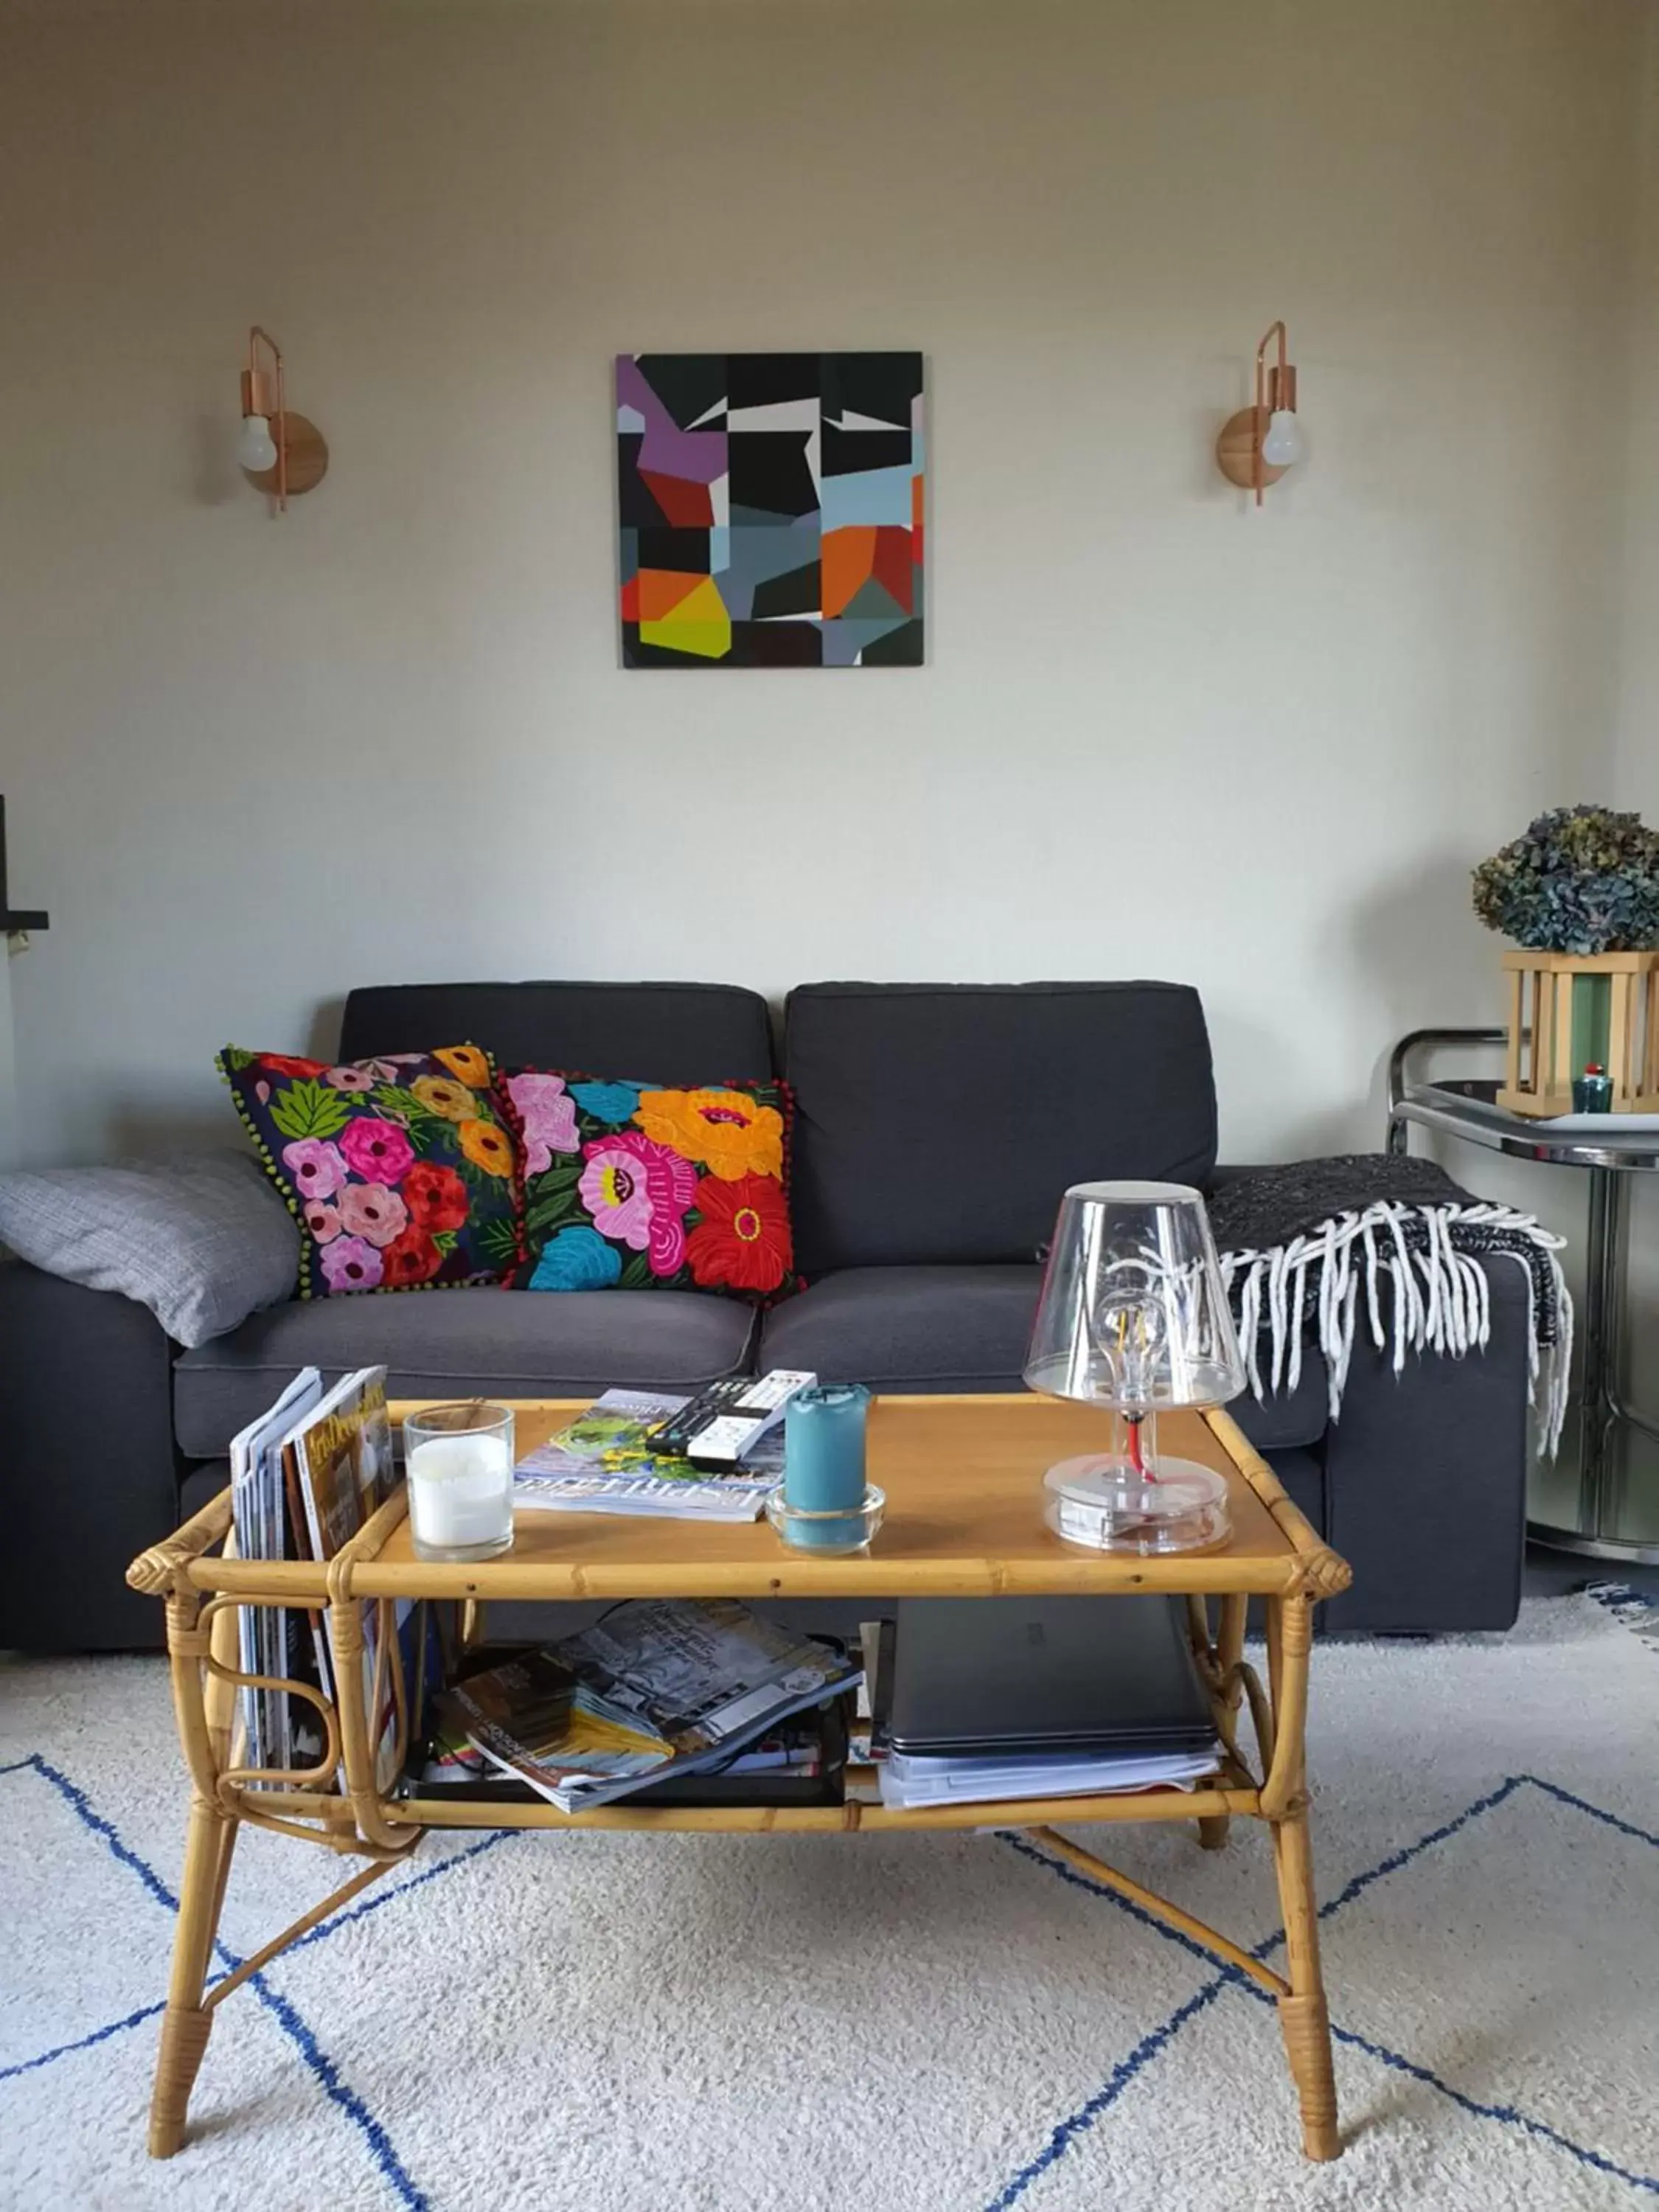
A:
x: 963, y: 1477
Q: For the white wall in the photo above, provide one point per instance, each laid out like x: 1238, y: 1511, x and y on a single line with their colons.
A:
x: 251, y: 763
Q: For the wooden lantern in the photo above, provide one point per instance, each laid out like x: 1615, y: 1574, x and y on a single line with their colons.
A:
x: 1568, y: 1009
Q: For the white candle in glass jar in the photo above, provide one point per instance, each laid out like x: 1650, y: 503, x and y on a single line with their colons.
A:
x: 460, y: 1489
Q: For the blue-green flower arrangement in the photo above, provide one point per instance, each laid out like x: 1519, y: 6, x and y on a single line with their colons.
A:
x: 1582, y: 879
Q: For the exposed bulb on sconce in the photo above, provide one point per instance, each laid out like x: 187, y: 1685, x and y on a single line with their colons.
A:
x: 300, y: 460
x: 256, y: 449
x: 1283, y: 443
x: 1258, y: 443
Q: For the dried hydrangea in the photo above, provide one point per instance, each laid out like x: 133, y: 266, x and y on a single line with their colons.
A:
x: 1582, y: 879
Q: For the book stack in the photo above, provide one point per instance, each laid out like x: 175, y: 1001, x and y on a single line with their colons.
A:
x: 988, y: 1700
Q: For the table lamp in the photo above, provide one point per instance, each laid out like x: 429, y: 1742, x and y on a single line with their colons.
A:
x: 1134, y: 1316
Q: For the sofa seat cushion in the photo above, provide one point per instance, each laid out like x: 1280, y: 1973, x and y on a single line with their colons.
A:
x: 966, y: 1329
x: 908, y: 1328
x: 463, y: 1343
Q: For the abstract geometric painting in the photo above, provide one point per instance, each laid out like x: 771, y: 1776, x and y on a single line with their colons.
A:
x: 771, y: 509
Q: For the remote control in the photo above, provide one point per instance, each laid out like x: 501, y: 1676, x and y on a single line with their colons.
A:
x: 717, y: 1427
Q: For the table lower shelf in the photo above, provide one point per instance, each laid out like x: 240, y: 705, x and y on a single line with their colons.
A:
x: 1207, y: 1802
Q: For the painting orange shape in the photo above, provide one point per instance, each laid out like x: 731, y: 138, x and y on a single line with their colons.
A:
x: 847, y: 556
x: 661, y: 590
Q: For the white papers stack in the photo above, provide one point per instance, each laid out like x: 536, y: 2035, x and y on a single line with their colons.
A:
x: 907, y: 1780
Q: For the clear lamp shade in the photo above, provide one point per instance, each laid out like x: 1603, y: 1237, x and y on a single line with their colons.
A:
x: 1283, y: 443
x: 1134, y: 1316
x: 256, y: 448
x: 1134, y: 1313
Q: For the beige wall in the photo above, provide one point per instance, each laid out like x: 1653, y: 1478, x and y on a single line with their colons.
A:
x: 250, y: 763
x: 1636, y: 773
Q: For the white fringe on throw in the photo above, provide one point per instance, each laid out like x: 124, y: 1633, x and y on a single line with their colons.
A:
x: 1437, y: 1299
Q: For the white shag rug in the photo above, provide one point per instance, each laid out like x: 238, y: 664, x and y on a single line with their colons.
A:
x: 918, y: 2024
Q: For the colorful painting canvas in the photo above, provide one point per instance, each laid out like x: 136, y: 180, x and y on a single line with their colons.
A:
x: 770, y: 507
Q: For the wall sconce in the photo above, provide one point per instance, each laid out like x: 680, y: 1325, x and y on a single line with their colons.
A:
x: 1258, y: 444
x: 280, y: 452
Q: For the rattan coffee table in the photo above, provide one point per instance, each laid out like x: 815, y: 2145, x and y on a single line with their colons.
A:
x: 963, y: 1477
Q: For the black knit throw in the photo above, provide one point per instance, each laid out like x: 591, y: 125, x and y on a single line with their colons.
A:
x: 1266, y: 1208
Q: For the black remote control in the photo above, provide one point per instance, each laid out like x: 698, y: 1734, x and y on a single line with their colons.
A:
x: 672, y: 1438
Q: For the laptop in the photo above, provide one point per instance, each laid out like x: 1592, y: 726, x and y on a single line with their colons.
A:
x: 974, y: 1678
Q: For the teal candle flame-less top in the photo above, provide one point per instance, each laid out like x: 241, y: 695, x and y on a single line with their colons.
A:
x: 823, y: 1448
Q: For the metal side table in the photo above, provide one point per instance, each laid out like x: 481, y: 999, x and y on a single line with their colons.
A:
x: 1468, y: 1108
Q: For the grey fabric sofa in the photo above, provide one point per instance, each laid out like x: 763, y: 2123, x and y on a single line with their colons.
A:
x: 935, y: 1127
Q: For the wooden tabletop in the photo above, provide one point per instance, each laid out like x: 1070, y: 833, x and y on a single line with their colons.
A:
x: 964, y: 1479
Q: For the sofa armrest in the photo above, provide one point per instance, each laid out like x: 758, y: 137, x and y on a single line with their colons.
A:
x: 1426, y: 1480
x: 89, y: 1475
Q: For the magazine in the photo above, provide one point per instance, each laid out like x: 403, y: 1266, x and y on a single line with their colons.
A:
x: 600, y: 1464
x: 657, y: 1686
x: 343, y: 1468
x: 270, y: 1636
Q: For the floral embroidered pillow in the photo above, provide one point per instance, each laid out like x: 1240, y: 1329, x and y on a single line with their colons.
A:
x: 629, y: 1185
x: 400, y: 1170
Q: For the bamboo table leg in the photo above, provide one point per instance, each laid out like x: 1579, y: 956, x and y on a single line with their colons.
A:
x: 1302, y: 2013
x: 184, y: 2024
x: 1229, y: 1650
x: 205, y: 1715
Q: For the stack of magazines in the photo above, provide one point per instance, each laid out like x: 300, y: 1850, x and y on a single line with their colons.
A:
x: 604, y: 1463
x: 657, y: 1688
x: 304, y: 1478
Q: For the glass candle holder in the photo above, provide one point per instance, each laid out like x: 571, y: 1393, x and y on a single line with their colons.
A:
x: 840, y: 1531
x: 458, y: 1460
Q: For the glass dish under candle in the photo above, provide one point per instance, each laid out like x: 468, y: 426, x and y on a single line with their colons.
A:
x: 458, y: 1460
x: 843, y: 1529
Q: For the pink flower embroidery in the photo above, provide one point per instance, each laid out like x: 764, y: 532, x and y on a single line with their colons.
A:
x: 351, y: 1078
x: 323, y: 1221
x: 378, y: 1150
x: 349, y: 1264
x: 316, y: 1167
x: 549, y: 1114
x: 371, y: 1212
x: 637, y: 1192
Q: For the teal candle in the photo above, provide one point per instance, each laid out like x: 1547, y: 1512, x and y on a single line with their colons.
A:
x: 823, y: 1459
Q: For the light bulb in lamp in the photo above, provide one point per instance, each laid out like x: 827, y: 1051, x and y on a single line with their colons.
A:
x: 256, y: 448
x: 1283, y: 443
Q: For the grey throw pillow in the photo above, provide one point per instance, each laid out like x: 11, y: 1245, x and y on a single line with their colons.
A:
x: 203, y: 1243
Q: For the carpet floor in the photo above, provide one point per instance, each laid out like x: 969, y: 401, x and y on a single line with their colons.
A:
x: 612, y: 2023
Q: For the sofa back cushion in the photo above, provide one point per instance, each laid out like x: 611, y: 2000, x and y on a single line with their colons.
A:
x: 940, y: 1122
x: 683, y: 1033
